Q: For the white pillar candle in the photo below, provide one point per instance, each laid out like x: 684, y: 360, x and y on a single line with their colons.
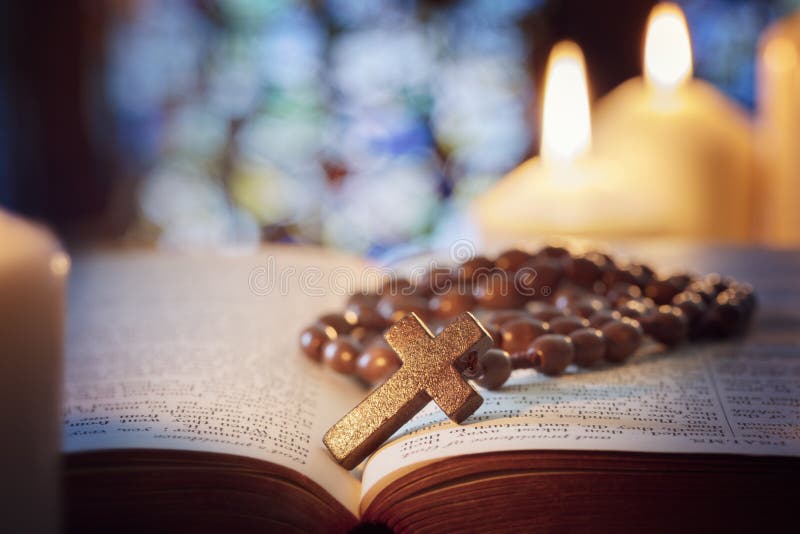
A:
x: 779, y: 131
x: 33, y: 270
x: 680, y: 140
x: 568, y: 191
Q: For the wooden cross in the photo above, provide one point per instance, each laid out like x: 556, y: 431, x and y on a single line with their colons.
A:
x: 428, y: 373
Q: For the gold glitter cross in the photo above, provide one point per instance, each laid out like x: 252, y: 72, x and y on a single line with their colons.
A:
x: 428, y: 373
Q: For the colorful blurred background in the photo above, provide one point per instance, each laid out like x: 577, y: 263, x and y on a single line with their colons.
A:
x: 364, y: 126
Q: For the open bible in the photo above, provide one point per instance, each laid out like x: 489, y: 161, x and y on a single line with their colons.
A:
x: 188, y: 406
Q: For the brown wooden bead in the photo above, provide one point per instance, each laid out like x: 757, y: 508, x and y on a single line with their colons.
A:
x: 551, y: 353
x: 587, y: 306
x: 341, y: 354
x: 539, y: 278
x: 667, y: 325
x: 544, y: 312
x: 364, y: 299
x: 377, y: 363
x: 454, y: 302
x: 393, y: 308
x: 366, y: 315
x: 313, y: 338
x: 339, y: 322
x: 623, y: 338
x: 568, y: 324
x: 437, y: 281
x: 496, y: 366
x: 364, y: 335
x: 616, y: 275
x: 692, y: 305
x: 468, y: 270
x: 661, y: 291
x: 622, y: 292
x: 496, y: 291
x: 583, y: 272
x: 635, y: 308
x: 568, y: 295
x: 397, y: 286
x: 500, y: 317
x: 555, y: 252
x: 512, y: 259
x: 589, y: 345
x: 518, y: 334
x: 604, y: 316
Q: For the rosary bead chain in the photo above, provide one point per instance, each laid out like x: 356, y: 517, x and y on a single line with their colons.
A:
x: 545, y: 310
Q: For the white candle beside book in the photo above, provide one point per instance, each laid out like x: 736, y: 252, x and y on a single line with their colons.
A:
x: 689, y: 145
x: 779, y: 131
x: 33, y: 270
x: 568, y: 190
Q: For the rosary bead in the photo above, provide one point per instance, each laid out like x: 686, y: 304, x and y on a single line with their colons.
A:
x: 554, y: 252
x: 717, y: 282
x: 397, y: 286
x: 393, y: 308
x: 641, y: 272
x: 705, y: 290
x: 366, y: 315
x: 635, y: 308
x: 589, y: 345
x: 568, y: 324
x: 544, y: 312
x: 602, y: 317
x: 341, y: 354
x: 467, y: 270
x: 518, y: 334
x: 436, y: 281
x: 622, y: 292
x: 496, y: 366
x: 539, y: 277
x: 661, y: 291
x: 587, y: 306
x: 623, y: 338
x: 377, y: 363
x: 551, y: 353
x: 616, y: 275
x: 693, y: 307
x: 364, y: 335
x: 511, y: 259
x: 583, y: 272
x: 667, y: 325
x: 313, y: 338
x: 339, y: 322
x: 499, y: 317
x: 725, y: 317
x: 496, y: 291
x: 568, y: 295
x: 680, y: 281
x: 455, y: 301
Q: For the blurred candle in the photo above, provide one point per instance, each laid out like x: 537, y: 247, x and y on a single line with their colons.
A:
x: 779, y: 131
x: 33, y: 271
x: 567, y: 191
x: 680, y: 140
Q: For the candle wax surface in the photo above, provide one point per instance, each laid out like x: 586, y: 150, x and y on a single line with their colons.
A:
x: 690, y: 147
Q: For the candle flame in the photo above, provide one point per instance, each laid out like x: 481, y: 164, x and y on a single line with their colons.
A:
x: 566, y: 121
x: 667, y: 47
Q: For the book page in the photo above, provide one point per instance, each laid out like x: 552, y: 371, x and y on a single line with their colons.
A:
x: 199, y: 352
x: 739, y: 399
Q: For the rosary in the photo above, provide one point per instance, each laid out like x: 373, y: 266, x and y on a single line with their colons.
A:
x: 541, y: 311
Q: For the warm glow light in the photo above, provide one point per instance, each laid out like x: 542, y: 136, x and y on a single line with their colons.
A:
x: 60, y: 264
x: 566, y: 123
x: 780, y: 54
x: 667, y: 47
